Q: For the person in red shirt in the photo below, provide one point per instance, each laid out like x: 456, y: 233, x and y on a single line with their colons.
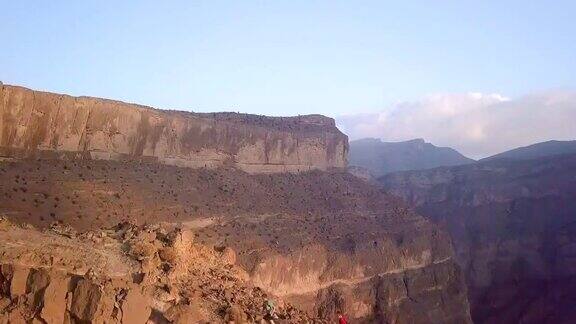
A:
x: 341, y: 318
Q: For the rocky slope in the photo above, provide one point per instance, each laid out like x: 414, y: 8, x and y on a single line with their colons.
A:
x: 322, y: 241
x: 513, y: 227
x: 381, y: 158
x: 34, y: 123
x: 126, y: 274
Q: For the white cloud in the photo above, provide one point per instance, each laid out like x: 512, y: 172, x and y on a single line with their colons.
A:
x: 476, y: 124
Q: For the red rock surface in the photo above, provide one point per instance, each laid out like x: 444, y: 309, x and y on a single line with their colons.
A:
x: 45, y: 278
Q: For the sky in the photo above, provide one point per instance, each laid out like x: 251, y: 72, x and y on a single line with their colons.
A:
x: 338, y: 58
x: 477, y: 125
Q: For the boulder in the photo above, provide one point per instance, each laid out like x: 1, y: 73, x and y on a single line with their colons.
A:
x: 135, y: 307
x: 86, y: 300
x: 54, y: 299
x: 19, y: 279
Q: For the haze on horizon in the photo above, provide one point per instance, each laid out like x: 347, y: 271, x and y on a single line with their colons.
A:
x: 479, y: 77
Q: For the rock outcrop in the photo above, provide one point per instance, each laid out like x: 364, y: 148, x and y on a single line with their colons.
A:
x: 513, y: 224
x: 41, y: 124
x: 160, y: 276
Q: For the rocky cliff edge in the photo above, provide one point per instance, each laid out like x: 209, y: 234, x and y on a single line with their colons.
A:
x: 42, y: 124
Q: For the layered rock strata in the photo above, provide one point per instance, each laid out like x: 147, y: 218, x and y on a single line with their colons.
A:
x: 42, y: 124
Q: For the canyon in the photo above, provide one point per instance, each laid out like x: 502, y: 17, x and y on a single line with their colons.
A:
x: 511, y: 219
x: 267, y: 199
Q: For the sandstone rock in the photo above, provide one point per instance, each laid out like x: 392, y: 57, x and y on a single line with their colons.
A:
x: 86, y: 300
x: 168, y: 254
x: 19, y: 279
x: 16, y: 316
x: 182, y: 239
x: 37, y: 281
x: 5, y: 223
x: 54, y: 299
x: 146, y: 236
x: 142, y: 250
x: 228, y: 255
x: 135, y: 307
x: 201, y: 290
x: 63, y: 126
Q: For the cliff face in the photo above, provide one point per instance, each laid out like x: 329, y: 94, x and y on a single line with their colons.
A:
x: 40, y: 124
x: 513, y: 228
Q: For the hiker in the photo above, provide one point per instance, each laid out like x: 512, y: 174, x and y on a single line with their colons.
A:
x: 341, y: 318
x: 270, y: 310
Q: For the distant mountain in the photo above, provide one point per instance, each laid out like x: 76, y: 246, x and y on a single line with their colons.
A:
x: 381, y: 158
x: 537, y: 150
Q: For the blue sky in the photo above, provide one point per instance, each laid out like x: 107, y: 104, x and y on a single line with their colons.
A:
x: 287, y: 57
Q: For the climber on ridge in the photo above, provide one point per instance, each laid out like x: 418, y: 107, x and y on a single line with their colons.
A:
x: 270, y: 310
x: 341, y: 318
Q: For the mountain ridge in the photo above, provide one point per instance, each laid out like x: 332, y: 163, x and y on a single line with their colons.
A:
x: 381, y: 157
x: 536, y: 150
x: 512, y: 226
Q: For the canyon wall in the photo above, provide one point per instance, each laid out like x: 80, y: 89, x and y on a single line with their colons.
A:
x: 41, y: 124
x: 514, y: 232
x: 323, y: 241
